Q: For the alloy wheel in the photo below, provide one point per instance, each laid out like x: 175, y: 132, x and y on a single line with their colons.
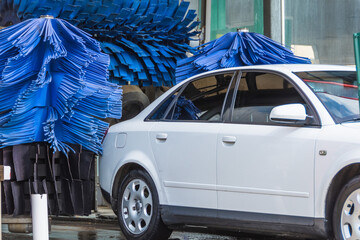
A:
x: 137, y: 206
x: 350, y: 216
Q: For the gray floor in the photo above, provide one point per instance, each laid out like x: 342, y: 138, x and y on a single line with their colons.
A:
x: 90, y: 231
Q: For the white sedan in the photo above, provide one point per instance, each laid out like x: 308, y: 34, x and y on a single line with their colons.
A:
x: 271, y: 149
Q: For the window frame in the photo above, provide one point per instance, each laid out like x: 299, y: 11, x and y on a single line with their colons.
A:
x: 148, y: 117
x: 180, y: 91
x: 316, y: 122
x: 326, y: 107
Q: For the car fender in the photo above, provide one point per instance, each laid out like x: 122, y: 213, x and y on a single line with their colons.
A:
x: 143, y: 160
x: 346, y: 159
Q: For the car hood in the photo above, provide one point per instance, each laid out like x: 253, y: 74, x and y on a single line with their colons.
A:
x: 354, y: 125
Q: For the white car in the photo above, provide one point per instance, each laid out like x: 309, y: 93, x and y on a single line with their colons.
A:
x: 271, y: 149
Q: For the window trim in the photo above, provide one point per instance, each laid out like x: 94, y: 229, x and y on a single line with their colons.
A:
x: 317, y: 122
x: 172, y: 104
x: 233, y: 98
x: 329, y: 112
x: 147, y: 119
x: 181, y: 89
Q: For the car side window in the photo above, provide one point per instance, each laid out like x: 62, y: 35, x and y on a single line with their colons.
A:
x: 202, y: 99
x: 258, y: 93
x: 161, y: 110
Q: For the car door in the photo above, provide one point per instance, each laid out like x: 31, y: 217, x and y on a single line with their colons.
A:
x: 264, y: 166
x: 184, y: 141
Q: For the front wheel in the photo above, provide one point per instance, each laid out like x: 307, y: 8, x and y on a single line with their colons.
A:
x: 138, y: 208
x: 346, y: 216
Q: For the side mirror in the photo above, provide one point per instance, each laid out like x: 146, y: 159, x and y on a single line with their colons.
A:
x: 288, y: 113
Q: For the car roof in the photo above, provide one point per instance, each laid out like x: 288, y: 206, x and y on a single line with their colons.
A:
x: 275, y: 67
x: 284, y: 68
x: 297, y: 67
x: 314, y: 67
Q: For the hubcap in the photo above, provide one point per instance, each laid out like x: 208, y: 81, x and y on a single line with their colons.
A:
x: 350, y: 216
x: 137, y: 206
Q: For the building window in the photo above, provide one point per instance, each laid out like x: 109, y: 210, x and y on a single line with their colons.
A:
x: 322, y: 30
x: 229, y: 15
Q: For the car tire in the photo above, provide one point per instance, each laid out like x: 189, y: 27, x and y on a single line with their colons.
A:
x: 133, y: 102
x: 138, y: 208
x: 346, y: 219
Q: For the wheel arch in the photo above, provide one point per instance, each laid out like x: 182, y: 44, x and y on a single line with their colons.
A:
x: 120, y: 175
x: 338, y: 181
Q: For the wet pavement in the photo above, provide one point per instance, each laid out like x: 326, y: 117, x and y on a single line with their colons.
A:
x: 92, y: 231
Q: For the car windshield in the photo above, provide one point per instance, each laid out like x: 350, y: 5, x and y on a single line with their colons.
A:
x: 337, y: 90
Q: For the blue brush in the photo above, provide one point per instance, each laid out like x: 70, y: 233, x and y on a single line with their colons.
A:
x: 54, y: 86
x: 133, y: 25
x: 236, y: 49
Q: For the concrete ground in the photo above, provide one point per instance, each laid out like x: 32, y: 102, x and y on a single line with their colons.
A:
x: 103, y: 225
x: 97, y: 231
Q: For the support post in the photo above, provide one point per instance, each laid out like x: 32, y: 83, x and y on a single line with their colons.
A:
x: 356, y: 37
x: 0, y: 214
x: 5, y: 174
x: 40, y: 218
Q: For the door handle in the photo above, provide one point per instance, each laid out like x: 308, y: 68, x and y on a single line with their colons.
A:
x: 229, y: 139
x: 161, y: 136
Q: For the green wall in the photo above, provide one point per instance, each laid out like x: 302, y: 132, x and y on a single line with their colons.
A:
x: 218, y: 19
